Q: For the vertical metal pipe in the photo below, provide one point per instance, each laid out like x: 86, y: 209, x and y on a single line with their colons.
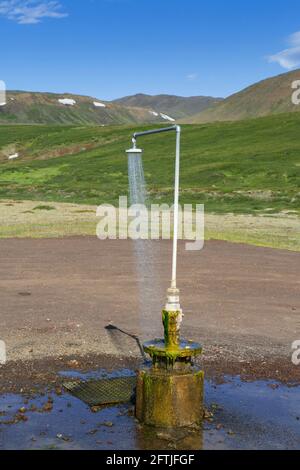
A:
x: 176, y: 208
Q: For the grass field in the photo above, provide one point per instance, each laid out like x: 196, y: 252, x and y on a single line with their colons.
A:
x: 37, y: 219
x: 247, y: 167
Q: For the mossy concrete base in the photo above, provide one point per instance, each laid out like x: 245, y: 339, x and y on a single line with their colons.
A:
x: 169, y: 398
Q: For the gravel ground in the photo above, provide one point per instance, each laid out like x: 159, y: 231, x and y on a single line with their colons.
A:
x: 57, y: 296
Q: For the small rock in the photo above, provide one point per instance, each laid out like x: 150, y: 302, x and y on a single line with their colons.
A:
x: 108, y: 424
x: 94, y: 409
x: 208, y: 415
x: 63, y: 438
x: 73, y: 363
x: 48, y: 407
x: 22, y: 417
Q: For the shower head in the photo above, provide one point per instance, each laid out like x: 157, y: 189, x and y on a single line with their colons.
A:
x: 134, y: 151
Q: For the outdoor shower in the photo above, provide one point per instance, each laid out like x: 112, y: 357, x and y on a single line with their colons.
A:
x: 170, y: 392
x: 173, y: 292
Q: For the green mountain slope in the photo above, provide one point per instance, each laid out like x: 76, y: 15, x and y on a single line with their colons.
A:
x: 45, y: 108
x: 244, y: 167
x: 271, y: 96
x: 177, y: 107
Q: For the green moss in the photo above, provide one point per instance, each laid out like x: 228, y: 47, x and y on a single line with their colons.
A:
x: 199, y: 375
x: 171, y: 329
x: 157, y: 389
x: 170, y: 355
x: 166, y: 399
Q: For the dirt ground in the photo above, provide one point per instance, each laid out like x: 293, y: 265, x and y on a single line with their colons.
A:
x: 58, y: 295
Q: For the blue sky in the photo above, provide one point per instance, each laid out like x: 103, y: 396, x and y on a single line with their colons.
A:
x: 113, y: 48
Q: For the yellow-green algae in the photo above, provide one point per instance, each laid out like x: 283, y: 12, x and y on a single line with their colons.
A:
x: 171, y: 327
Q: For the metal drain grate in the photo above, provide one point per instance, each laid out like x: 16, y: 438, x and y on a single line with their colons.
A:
x: 103, y: 391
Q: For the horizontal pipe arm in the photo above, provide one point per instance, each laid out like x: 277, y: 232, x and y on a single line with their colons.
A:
x: 155, y: 131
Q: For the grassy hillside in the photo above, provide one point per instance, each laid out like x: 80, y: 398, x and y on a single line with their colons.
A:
x: 45, y: 108
x: 245, y: 167
x: 177, y: 107
x: 271, y: 96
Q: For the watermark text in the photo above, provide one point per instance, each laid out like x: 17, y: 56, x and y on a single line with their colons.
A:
x: 296, y: 353
x: 156, y: 222
x: 296, y: 93
x: 2, y: 93
x: 2, y: 353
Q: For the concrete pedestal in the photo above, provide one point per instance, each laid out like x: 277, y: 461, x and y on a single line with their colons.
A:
x: 170, y: 398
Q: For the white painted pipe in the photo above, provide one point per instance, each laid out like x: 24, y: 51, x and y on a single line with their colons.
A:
x: 176, y: 208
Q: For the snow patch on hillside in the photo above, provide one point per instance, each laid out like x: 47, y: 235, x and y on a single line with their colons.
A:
x: 14, y: 156
x: 67, y: 101
x: 99, y: 105
x: 154, y: 113
x: 167, y: 118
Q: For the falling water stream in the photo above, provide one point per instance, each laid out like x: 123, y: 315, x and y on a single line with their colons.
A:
x: 146, y: 253
x: 137, y: 184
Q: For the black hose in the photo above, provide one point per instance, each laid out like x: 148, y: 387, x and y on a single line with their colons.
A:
x: 136, y: 338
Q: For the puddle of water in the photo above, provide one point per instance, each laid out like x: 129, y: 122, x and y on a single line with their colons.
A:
x: 258, y: 415
x: 261, y: 415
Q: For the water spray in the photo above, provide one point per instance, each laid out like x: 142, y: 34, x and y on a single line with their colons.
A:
x: 170, y: 392
x: 173, y: 292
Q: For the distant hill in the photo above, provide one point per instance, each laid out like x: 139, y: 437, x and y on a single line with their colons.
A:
x: 177, y: 107
x: 67, y: 109
x: 271, y: 96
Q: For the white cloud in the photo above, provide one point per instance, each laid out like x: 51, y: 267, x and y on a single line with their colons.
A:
x: 192, y: 76
x: 289, y: 58
x: 30, y: 11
